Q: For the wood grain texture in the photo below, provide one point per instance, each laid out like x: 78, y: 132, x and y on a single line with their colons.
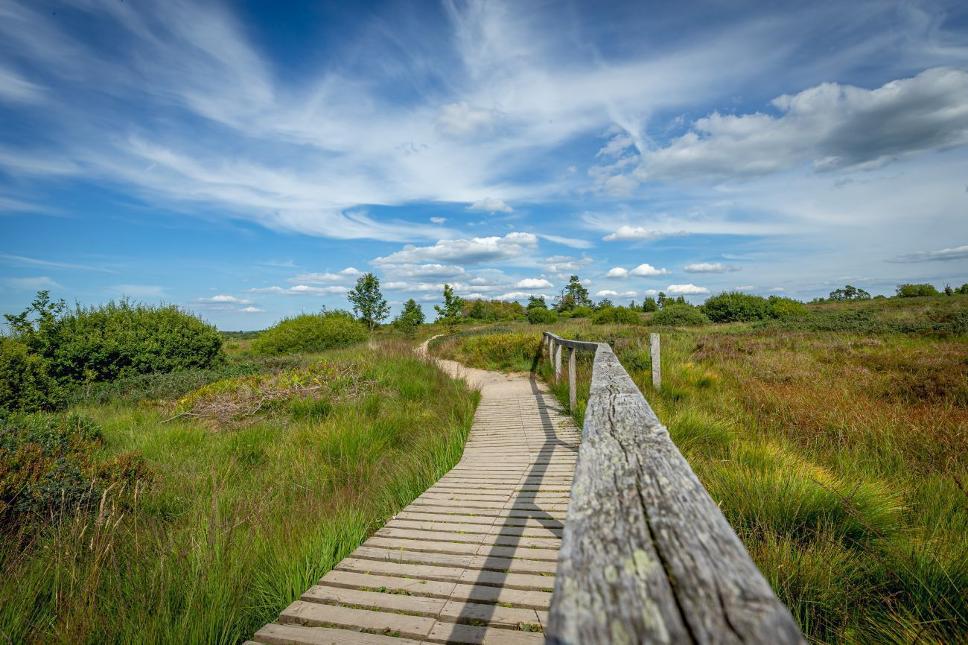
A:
x: 647, y: 556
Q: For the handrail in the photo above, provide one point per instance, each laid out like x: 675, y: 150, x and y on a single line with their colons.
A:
x: 647, y: 556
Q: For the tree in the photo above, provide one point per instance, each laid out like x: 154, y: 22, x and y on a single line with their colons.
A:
x: 536, y: 302
x: 451, y: 311
x: 573, y: 295
x: 916, y: 290
x: 649, y: 304
x: 368, y: 302
x: 948, y: 291
x: 605, y: 303
x: 849, y: 293
x: 661, y: 300
x: 411, y: 317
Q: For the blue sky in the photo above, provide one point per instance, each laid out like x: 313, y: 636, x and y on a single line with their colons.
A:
x: 247, y: 161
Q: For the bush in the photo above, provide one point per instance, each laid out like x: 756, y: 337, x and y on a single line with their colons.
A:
x: 538, y: 316
x: 786, y: 308
x: 493, y: 310
x: 48, y: 463
x: 735, y: 306
x: 25, y: 383
x: 679, y: 315
x: 916, y: 290
x: 311, y: 333
x: 115, y: 340
x: 616, y: 315
x: 578, y: 312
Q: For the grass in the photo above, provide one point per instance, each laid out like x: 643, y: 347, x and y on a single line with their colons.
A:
x: 245, y: 508
x: 838, y: 451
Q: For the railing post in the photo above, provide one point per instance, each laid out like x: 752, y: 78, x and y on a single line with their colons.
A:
x: 656, y: 361
x: 572, y: 388
x: 558, y: 362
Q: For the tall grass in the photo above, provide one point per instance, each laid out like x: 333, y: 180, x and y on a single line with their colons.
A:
x: 840, y: 458
x: 241, y: 515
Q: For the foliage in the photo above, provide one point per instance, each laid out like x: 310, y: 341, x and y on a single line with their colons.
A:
x: 786, y: 308
x: 573, y: 295
x: 616, y: 315
x: 604, y: 303
x: 578, y: 312
x: 451, y: 312
x: 368, y: 302
x: 493, y: 310
x: 53, y: 348
x: 49, y: 465
x: 235, y: 524
x: 916, y: 290
x: 679, y: 315
x: 735, y: 306
x: 310, y: 333
x: 848, y: 293
x: 538, y: 312
x: 514, y: 351
x: 25, y: 383
x: 411, y: 317
x: 649, y: 305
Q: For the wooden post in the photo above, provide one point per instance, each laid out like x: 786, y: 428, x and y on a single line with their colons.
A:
x: 656, y: 362
x: 572, y: 376
x: 558, y: 362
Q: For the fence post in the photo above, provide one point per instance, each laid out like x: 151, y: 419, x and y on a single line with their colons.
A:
x: 572, y: 388
x: 558, y: 362
x: 656, y: 361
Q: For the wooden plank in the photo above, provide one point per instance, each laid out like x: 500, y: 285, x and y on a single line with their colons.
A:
x: 311, y: 614
x: 473, y: 635
x: 647, y: 555
x: 273, y: 634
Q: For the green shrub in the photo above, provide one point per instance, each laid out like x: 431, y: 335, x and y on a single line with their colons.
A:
x: 616, y: 315
x: 735, y: 306
x: 679, y: 315
x: 48, y: 463
x: 310, y: 333
x: 25, y: 383
x: 115, y: 340
x: 786, y: 308
x: 916, y: 290
x: 578, y: 312
x: 538, y: 316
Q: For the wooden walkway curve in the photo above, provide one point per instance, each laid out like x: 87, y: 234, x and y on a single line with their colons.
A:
x: 473, y: 559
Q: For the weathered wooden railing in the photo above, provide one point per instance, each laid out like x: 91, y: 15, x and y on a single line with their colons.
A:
x: 647, y: 556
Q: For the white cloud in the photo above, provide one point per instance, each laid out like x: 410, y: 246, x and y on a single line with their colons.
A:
x: 465, y: 251
x: 647, y: 270
x: 490, y: 205
x: 685, y: 289
x: 33, y: 283
x: 745, y: 287
x: 709, y: 267
x: 224, y: 298
x: 533, y: 283
x: 438, y: 220
x: 610, y: 293
x: 617, y: 272
x: 22, y: 260
x: 462, y: 120
x: 431, y: 270
x: 628, y: 232
x: 251, y: 310
x: 572, y: 242
x: 301, y: 289
x: 952, y: 253
x: 317, y: 278
x: 828, y: 126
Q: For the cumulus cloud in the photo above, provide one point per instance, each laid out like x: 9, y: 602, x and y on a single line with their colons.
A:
x: 533, y: 283
x: 610, y: 293
x: 490, y: 205
x: 566, y: 264
x: 647, y: 270
x: 709, y: 267
x: 251, y: 310
x: 474, y: 250
x: 518, y: 295
x: 828, y: 126
x: 952, y: 253
x: 685, y: 289
x: 617, y: 272
x: 431, y: 270
x: 438, y: 220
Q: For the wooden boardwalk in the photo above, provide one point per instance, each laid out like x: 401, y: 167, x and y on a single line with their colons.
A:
x: 473, y: 559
